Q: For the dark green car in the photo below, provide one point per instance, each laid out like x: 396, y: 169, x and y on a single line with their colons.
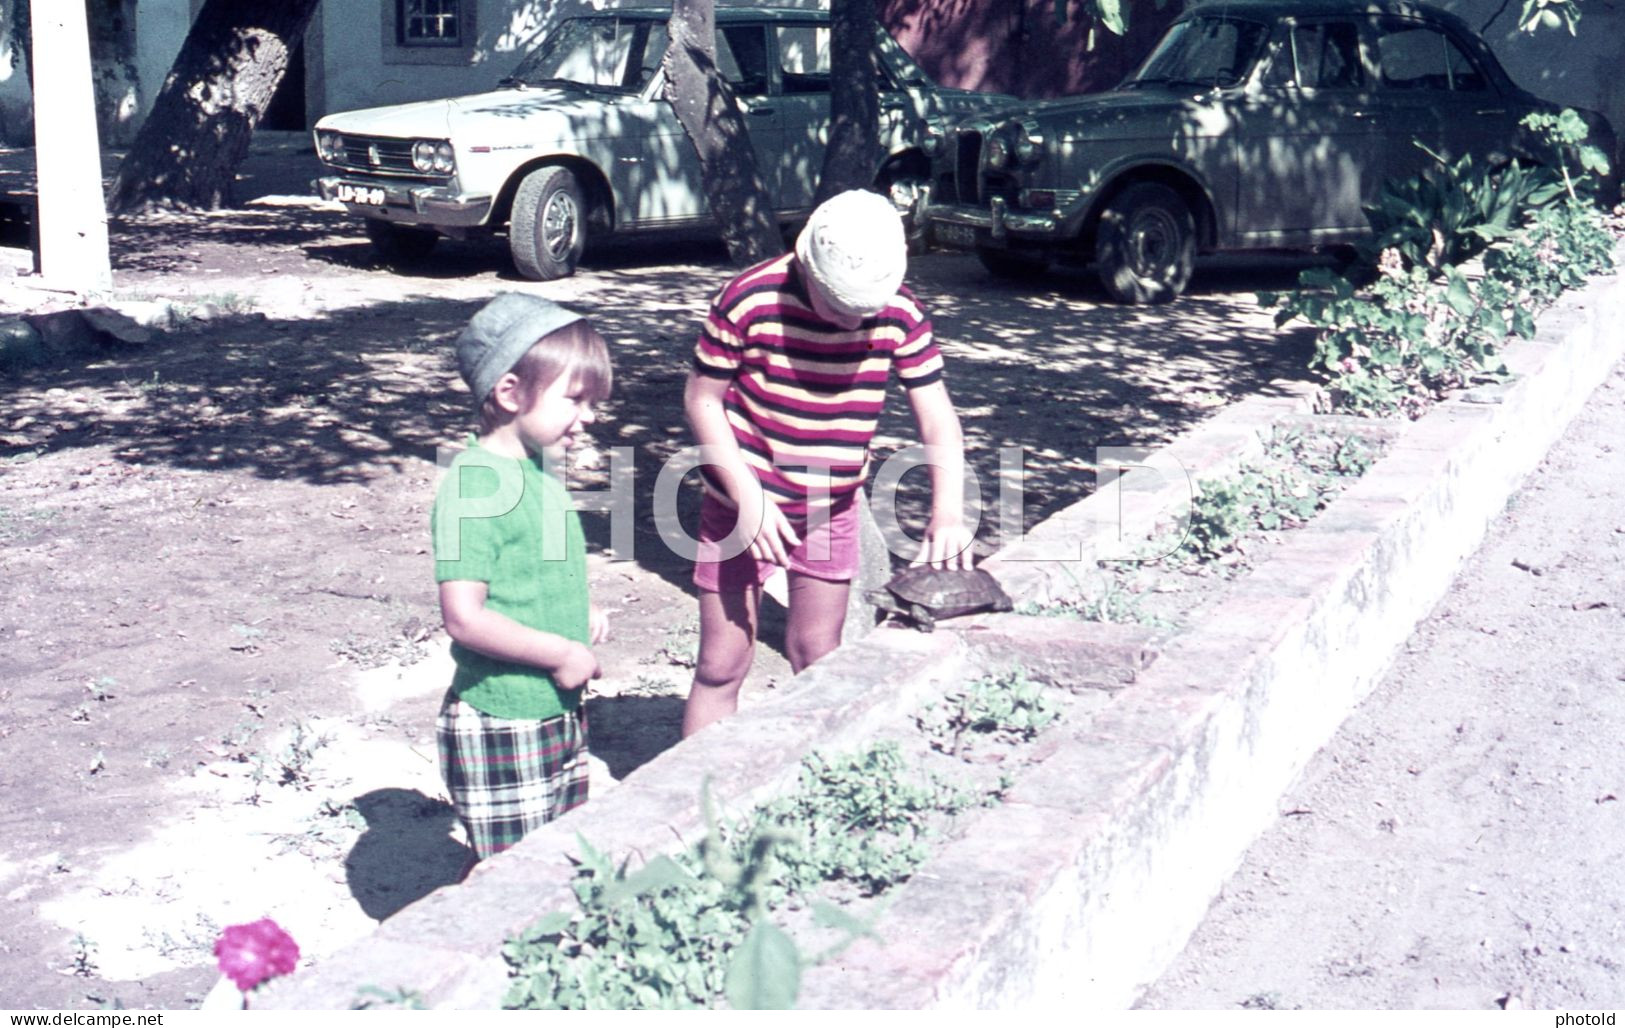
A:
x: 1252, y: 125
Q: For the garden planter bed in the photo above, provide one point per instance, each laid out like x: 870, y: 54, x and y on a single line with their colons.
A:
x: 1105, y: 851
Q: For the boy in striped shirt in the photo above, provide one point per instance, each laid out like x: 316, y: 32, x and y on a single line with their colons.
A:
x: 788, y: 382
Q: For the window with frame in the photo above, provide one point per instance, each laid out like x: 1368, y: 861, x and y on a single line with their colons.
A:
x: 1420, y: 57
x: 429, y: 22
x: 1320, y: 55
x: 804, y: 57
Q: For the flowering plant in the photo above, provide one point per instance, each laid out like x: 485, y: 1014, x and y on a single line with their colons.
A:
x: 249, y: 954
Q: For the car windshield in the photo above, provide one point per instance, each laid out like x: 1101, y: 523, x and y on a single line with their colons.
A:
x: 1205, y: 51
x: 619, y: 54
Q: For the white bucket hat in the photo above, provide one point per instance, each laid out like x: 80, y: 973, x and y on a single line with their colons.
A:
x: 854, y: 251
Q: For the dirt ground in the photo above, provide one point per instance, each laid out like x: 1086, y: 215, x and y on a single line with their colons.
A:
x: 220, y: 656
x: 1458, y: 843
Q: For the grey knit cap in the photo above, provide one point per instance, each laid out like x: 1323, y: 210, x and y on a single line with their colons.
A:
x: 500, y: 333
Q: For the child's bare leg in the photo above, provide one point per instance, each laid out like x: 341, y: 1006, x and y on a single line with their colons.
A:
x: 727, y: 644
x: 817, y: 612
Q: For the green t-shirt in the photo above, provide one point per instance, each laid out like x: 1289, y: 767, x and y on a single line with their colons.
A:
x: 509, y: 524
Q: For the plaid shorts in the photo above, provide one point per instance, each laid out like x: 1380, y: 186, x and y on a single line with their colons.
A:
x: 508, y: 776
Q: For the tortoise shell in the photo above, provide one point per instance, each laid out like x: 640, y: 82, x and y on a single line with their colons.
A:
x: 924, y: 594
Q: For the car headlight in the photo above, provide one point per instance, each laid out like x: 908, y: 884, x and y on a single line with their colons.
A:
x: 1029, y: 146
x: 998, y: 154
x: 445, y: 159
x: 423, y: 155
x: 330, y: 147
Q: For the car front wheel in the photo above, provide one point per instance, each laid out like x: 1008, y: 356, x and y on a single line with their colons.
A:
x: 548, y: 229
x: 1145, y: 247
x: 400, y: 243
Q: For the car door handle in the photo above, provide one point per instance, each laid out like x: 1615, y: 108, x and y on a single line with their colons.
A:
x: 761, y: 112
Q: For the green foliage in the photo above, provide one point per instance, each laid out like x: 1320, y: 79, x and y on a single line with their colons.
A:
x: 683, y: 932
x: 861, y: 819
x: 1110, y: 601
x: 1425, y: 326
x: 1450, y: 213
x: 654, y: 938
x: 1566, y: 133
x: 373, y: 997
x: 1296, y: 480
x: 1549, y: 14
x: 1563, y: 245
x: 1407, y: 342
x: 1009, y: 707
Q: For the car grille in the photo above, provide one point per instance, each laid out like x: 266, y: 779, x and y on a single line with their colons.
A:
x: 378, y: 155
x: 964, y: 180
x: 968, y: 167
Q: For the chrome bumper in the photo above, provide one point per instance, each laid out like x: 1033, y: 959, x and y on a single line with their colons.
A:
x: 997, y: 220
x: 427, y: 205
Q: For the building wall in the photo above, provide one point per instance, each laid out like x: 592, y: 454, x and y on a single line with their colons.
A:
x: 1578, y: 71
x: 1017, y: 46
x: 364, y: 67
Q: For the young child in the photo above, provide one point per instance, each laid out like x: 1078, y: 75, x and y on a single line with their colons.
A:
x: 511, y: 563
x: 788, y: 382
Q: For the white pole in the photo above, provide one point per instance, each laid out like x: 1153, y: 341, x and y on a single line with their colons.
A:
x: 72, y: 212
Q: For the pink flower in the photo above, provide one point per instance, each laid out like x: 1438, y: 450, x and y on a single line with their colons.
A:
x: 249, y: 954
x: 1349, y: 365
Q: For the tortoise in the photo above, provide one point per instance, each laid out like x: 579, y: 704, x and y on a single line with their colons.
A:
x: 924, y: 594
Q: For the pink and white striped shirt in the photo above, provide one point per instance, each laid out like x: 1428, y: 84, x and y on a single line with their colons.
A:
x: 806, y: 395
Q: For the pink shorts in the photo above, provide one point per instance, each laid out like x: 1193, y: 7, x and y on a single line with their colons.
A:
x: 829, y: 551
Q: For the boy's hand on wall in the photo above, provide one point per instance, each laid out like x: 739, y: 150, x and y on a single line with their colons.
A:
x: 947, y: 544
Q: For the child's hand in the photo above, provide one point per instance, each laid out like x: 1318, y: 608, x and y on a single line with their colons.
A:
x: 775, y: 539
x: 579, y: 668
x: 947, y: 544
x: 597, y: 624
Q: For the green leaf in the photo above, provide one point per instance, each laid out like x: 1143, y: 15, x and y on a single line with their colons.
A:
x: 1458, y: 294
x: 765, y: 973
x: 550, y: 924
x: 1111, y: 13
x: 657, y: 875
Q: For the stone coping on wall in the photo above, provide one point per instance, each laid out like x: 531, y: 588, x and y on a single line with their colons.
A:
x: 1089, y: 878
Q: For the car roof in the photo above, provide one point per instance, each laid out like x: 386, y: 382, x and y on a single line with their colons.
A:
x: 723, y: 14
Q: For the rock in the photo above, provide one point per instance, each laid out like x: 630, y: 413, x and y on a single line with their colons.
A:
x: 21, y: 345
x: 116, y: 327
x: 64, y: 332
x: 155, y: 314
x: 87, y: 331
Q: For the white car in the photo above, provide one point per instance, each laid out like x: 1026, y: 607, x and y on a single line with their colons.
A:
x: 580, y: 140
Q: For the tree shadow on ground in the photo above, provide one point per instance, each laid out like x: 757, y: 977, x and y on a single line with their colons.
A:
x: 628, y: 730
x: 406, y: 852
x: 356, y: 395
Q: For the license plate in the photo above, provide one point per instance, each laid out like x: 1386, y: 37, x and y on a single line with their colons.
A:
x: 371, y: 196
x: 961, y: 236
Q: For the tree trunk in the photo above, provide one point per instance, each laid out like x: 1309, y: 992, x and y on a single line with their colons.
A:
x: 112, y: 61
x: 710, y: 115
x: 187, y: 151
x: 68, y: 164
x: 853, y: 152
x: 22, y: 37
